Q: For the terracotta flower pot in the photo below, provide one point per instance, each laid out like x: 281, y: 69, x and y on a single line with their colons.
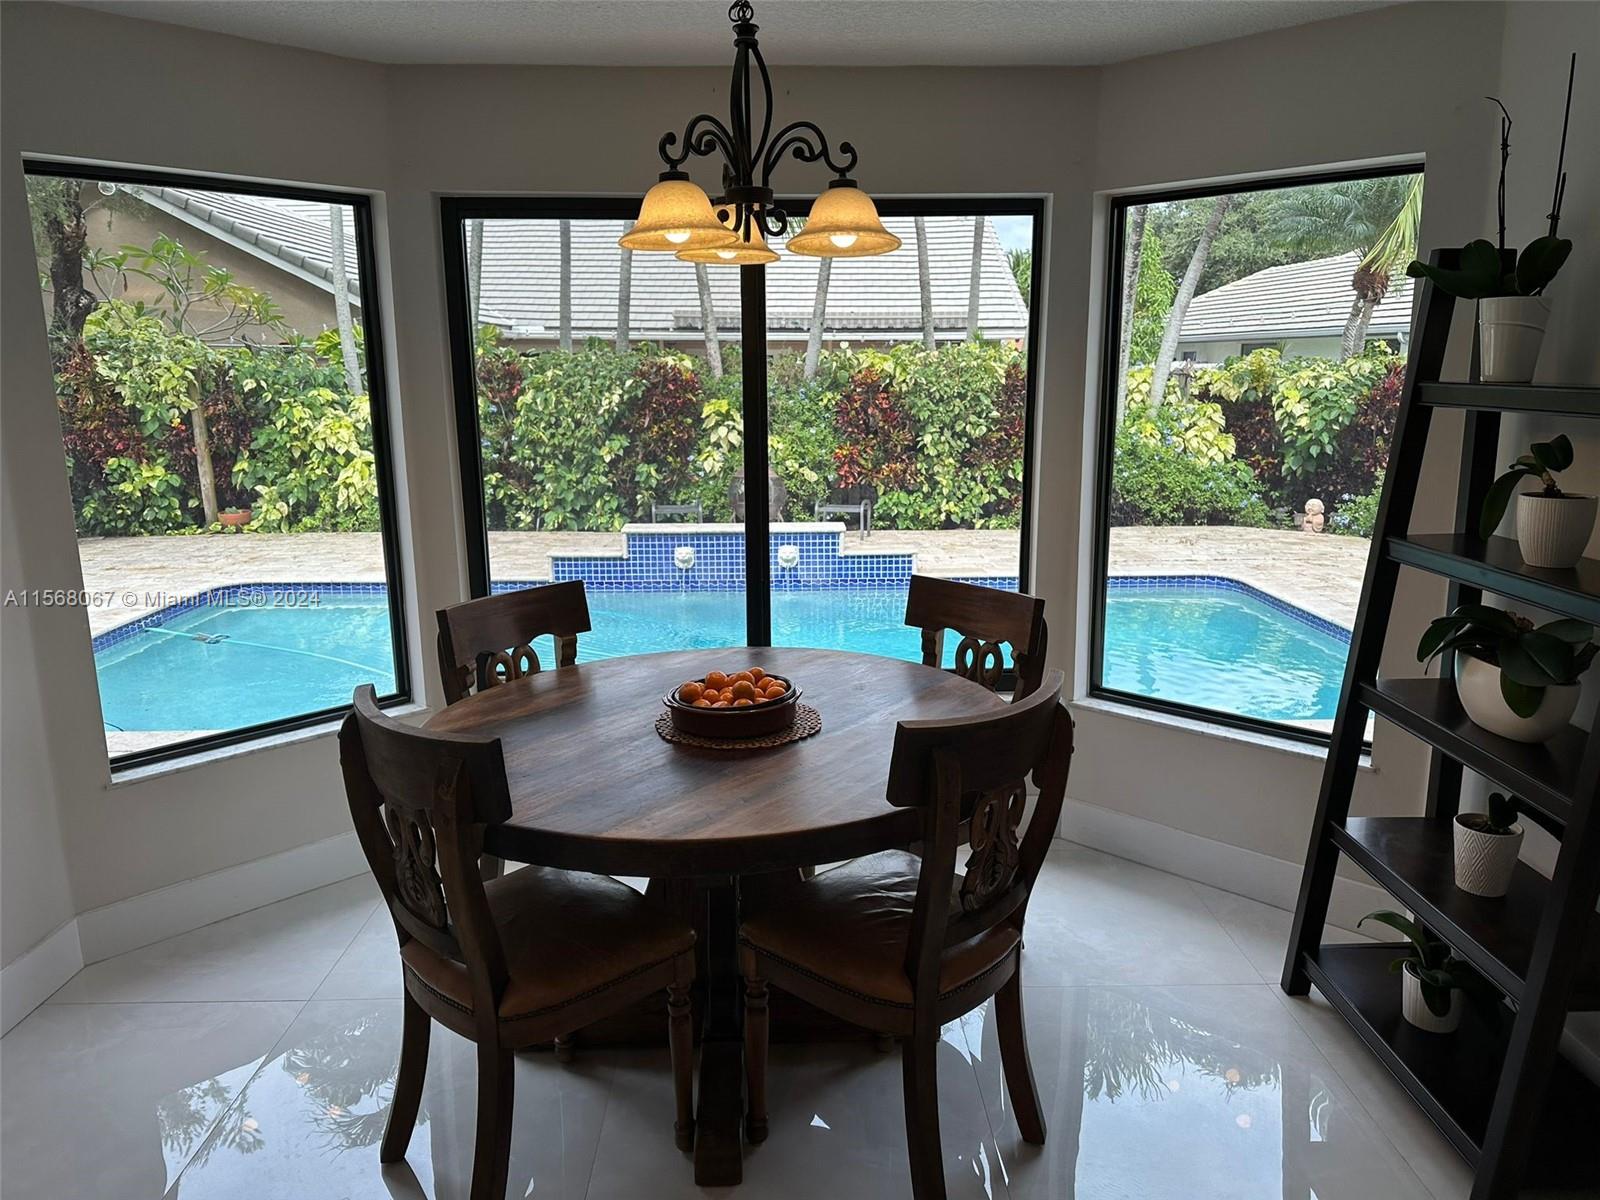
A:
x: 1484, y: 861
x: 233, y: 520
x: 1478, y: 688
x: 1553, y: 531
x: 1416, y: 1011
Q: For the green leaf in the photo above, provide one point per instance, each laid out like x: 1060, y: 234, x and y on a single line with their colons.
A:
x: 1554, y: 455
x: 1539, y: 262
x: 1521, y: 699
x: 1498, y: 499
x: 1574, y: 632
x: 1405, y: 925
x: 1433, y: 638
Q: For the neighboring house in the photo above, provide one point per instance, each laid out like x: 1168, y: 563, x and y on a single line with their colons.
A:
x: 1298, y: 308
x: 870, y: 300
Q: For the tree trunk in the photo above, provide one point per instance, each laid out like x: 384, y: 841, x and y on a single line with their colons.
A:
x: 1354, y: 339
x: 566, y: 284
x: 71, y: 302
x: 1132, y: 262
x: 924, y: 284
x: 202, y: 456
x: 1180, y: 303
x: 341, y: 306
x: 475, y: 272
x: 624, y: 300
x: 708, y: 320
x: 975, y: 280
x: 819, y: 312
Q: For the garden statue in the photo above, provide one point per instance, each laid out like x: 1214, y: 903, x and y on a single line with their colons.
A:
x: 777, y: 495
x: 1314, y: 518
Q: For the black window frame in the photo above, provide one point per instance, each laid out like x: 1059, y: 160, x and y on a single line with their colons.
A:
x: 382, y: 442
x: 1106, y: 434
x: 456, y: 211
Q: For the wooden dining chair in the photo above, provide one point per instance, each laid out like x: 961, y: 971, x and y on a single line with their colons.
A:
x: 508, y: 964
x: 986, y: 618
x: 903, y: 945
x: 489, y: 641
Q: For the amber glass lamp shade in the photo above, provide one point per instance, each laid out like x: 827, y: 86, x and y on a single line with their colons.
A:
x: 739, y: 253
x: 843, y: 224
x: 676, y: 215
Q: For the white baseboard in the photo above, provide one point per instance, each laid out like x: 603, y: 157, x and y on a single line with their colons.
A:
x: 1273, y: 881
x: 140, y: 920
x: 29, y: 980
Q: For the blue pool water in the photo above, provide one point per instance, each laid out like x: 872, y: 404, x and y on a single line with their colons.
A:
x: 226, y: 664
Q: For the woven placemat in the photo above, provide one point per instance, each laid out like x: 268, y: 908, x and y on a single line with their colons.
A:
x: 807, y: 721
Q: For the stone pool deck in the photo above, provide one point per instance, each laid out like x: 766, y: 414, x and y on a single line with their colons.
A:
x: 132, y: 576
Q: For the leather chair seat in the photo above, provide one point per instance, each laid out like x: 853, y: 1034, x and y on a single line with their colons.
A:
x: 567, y: 936
x: 848, y: 928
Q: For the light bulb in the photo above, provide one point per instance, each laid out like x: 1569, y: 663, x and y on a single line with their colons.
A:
x: 842, y: 240
x: 727, y: 253
x: 677, y: 236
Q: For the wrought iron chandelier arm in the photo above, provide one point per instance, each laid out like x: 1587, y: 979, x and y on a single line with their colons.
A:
x: 703, y: 136
x: 797, y: 139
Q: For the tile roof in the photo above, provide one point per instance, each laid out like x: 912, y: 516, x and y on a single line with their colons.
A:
x: 868, y: 298
x: 1303, y: 299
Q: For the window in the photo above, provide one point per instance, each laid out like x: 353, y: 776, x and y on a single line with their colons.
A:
x: 220, y: 387
x: 1245, y: 439
x: 601, y: 414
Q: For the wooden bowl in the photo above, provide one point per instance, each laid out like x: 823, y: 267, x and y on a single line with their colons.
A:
x: 757, y: 720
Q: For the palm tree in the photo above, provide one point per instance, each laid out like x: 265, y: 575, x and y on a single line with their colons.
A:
x: 1379, y: 217
x: 566, y: 284
x: 624, y: 299
x: 819, y: 313
x: 1021, y: 264
x: 924, y: 283
x: 708, y: 320
x: 1132, y: 260
x: 1180, y: 302
x: 975, y: 279
x: 475, y: 269
x: 341, y: 301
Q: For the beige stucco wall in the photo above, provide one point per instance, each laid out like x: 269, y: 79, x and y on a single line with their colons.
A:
x: 418, y: 132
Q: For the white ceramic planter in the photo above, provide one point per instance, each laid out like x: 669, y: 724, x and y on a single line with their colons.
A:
x: 1416, y: 1011
x: 1485, y: 861
x: 1552, y: 531
x: 1510, y: 331
x: 1478, y: 687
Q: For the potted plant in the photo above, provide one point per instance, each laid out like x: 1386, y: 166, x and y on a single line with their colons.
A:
x: 1486, y: 847
x: 234, y: 518
x: 1508, y: 286
x: 1553, y: 526
x: 1513, y: 679
x: 1433, y: 979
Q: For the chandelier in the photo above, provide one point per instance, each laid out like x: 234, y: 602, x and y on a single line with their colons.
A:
x: 679, y: 217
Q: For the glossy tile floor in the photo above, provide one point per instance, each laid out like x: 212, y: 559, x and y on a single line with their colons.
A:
x: 253, y: 1060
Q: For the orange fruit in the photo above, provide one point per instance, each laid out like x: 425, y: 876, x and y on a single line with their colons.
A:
x: 776, y: 687
x: 744, y: 690
x: 742, y: 702
x: 741, y: 677
x: 716, y: 681
x: 723, y: 704
x: 763, y: 698
x: 727, y: 693
x: 702, y: 702
x: 690, y: 692
x: 757, y: 674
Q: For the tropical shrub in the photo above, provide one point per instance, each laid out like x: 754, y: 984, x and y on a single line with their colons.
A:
x: 1356, y: 516
x: 310, y: 465
x: 135, y: 498
x: 1156, y: 480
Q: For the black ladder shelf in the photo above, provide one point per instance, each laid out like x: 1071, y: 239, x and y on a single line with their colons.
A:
x: 1499, y: 1088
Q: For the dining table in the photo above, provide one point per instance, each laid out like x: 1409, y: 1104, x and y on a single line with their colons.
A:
x: 595, y: 787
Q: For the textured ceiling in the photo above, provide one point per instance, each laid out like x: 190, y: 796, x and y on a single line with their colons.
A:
x: 695, y: 32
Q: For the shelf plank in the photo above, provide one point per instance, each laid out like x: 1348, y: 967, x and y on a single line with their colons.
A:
x: 1453, y: 1077
x: 1497, y: 566
x: 1512, y: 397
x: 1413, y: 859
x: 1546, y: 776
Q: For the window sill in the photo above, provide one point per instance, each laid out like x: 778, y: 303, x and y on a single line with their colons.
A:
x: 144, y: 773
x: 1228, y: 733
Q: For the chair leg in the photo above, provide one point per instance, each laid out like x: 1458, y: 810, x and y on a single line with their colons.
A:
x: 416, y: 1027
x: 1014, y: 1059
x: 490, y: 867
x: 680, y: 1038
x: 755, y: 1058
x: 919, y: 1063
x: 491, y: 1158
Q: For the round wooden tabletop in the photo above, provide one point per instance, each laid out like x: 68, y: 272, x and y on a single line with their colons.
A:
x: 594, y: 787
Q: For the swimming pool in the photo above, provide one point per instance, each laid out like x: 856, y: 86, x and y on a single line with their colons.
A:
x: 234, y: 657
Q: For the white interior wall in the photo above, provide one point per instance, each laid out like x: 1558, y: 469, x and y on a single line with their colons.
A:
x: 413, y: 133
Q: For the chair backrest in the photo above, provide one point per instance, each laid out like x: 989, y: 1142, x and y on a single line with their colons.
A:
x: 976, y: 771
x: 490, y: 641
x: 985, y: 618
x: 420, y: 802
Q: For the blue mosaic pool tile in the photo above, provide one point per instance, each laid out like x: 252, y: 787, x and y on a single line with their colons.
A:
x: 1222, y: 583
x: 236, y: 595
x: 650, y: 564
